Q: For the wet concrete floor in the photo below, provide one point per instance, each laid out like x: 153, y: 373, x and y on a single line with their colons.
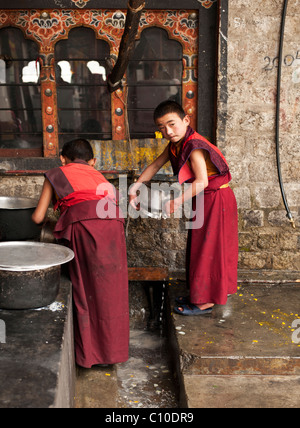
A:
x: 245, y: 354
x: 144, y: 381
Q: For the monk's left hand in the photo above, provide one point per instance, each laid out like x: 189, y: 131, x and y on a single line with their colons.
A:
x: 172, y: 206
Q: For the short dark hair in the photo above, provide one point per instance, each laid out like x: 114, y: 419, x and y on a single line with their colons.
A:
x: 167, y: 107
x: 78, y: 149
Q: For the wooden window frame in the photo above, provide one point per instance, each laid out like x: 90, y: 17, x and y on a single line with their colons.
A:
x: 200, y: 87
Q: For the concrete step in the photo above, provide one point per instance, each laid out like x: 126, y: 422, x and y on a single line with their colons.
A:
x: 253, y: 340
x: 242, y: 391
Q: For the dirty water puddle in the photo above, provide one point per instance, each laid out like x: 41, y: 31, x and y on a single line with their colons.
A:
x: 146, y: 380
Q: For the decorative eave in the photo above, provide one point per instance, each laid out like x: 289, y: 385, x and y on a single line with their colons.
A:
x: 104, y: 4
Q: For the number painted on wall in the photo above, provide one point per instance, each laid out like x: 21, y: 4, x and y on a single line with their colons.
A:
x: 288, y: 61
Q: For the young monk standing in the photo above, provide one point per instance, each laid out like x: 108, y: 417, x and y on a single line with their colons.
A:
x: 212, y: 250
x: 99, y: 270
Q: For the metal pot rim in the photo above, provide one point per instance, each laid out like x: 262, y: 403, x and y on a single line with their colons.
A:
x: 31, y: 256
x: 16, y: 203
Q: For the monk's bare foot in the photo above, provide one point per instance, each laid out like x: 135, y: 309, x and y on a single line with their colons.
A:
x: 202, y: 307
x: 205, y: 306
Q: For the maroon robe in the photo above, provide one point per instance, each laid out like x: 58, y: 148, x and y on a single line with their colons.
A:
x: 212, y: 250
x: 99, y: 270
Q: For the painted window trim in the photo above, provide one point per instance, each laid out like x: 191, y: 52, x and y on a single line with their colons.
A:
x: 47, y: 27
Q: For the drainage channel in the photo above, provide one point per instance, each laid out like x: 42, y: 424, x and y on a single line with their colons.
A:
x: 147, y: 379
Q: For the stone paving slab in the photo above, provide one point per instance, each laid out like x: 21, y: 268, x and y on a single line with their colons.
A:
x: 96, y: 388
x: 252, y: 334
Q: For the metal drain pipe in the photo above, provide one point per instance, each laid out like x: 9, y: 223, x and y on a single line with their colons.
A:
x: 289, y: 214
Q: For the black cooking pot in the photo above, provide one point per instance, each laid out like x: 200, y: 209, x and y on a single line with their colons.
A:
x: 29, y: 290
x: 15, y: 219
x: 30, y: 273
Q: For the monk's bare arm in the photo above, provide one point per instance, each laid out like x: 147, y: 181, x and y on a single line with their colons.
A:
x: 149, y: 172
x: 198, y: 165
x: 41, y: 210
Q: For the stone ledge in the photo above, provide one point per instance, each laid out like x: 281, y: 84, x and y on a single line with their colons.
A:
x: 37, y: 368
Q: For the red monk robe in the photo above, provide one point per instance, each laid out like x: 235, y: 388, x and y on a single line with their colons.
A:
x: 99, y: 270
x: 212, y: 251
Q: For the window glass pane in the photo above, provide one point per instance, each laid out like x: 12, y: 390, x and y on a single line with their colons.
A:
x: 20, y: 72
x: 155, y: 44
x: 81, y: 44
x: 84, y: 102
x: 81, y: 72
x: 83, y: 97
x: 15, y: 46
x: 85, y: 122
x: 154, y: 71
x: 140, y: 122
x: 148, y: 97
x: 20, y: 96
x: 154, y: 75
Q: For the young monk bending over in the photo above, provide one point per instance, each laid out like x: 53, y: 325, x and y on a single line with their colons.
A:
x: 99, y: 270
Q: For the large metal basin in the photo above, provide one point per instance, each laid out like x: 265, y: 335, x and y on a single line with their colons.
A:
x: 30, y: 273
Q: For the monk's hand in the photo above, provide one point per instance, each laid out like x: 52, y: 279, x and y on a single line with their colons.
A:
x: 172, y: 206
x: 134, y: 202
x: 133, y: 197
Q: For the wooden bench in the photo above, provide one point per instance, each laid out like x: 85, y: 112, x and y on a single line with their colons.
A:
x: 148, y: 274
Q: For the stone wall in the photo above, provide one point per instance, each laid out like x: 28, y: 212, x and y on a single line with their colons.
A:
x: 152, y: 242
x: 21, y: 186
x: 267, y: 239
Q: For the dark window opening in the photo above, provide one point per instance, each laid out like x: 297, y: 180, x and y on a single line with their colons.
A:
x: 20, y: 97
x: 154, y: 75
x: 84, y: 103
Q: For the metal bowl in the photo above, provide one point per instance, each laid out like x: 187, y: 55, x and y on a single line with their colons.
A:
x: 153, y: 197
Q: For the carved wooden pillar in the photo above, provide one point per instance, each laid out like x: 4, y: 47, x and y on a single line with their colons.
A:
x: 119, y: 114
x: 49, y: 105
x: 190, y: 87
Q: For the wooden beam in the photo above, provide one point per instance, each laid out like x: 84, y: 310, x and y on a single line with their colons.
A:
x: 148, y: 274
x: 127, y: 46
